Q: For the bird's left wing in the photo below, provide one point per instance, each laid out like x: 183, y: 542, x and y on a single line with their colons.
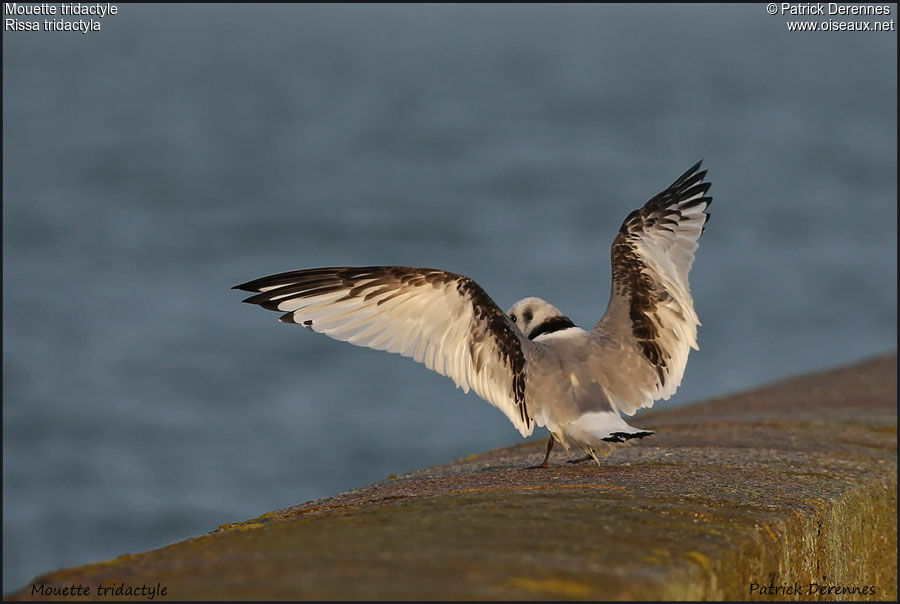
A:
x: 651, y: 312
x: 441, y: 319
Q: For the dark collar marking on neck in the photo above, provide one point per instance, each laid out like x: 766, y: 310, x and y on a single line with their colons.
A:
x: 550, y: 325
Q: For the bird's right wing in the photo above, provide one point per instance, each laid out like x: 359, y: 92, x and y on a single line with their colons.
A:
x: 651, y: 313
x: 441, y: 319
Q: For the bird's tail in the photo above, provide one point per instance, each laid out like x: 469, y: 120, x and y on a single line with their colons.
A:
x: 596, y: 427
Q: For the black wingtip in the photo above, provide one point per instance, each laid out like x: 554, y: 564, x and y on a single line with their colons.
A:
x: 261, y: 299
x: 619, y: 437
x: 693, y: 168
x: 690, y: 175
x: 694, y: 172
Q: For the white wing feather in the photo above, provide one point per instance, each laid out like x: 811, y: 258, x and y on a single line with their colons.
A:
x: 443, y: 320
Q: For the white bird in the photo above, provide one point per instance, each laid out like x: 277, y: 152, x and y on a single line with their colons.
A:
x: 531, y: 362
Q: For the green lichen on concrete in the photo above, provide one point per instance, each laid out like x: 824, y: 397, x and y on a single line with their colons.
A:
x: 793, y: 483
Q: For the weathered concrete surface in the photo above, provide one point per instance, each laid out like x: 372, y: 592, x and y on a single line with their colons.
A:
x: 792, y: 483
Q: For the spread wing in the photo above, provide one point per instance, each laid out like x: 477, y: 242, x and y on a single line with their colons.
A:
x: 651, y: 312
x: 443, y: 320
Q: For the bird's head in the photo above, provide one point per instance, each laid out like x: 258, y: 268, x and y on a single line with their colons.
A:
x: 535, y: 317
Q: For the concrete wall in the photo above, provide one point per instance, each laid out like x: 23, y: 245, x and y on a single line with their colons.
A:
x: 751, y: 496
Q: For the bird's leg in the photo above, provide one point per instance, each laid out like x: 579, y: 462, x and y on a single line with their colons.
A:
x: 592, y: 454
x: 547, y: 456
x: 549, y: 447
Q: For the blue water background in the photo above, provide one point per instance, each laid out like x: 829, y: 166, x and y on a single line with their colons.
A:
x: 152, y: 165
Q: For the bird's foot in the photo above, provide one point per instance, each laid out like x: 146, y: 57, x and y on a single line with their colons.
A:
x: 580, y: 459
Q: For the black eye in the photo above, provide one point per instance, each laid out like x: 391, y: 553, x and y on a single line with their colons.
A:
x: 512, y: 318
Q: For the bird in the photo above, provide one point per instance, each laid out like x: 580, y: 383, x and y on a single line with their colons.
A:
x: 531, y: 362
